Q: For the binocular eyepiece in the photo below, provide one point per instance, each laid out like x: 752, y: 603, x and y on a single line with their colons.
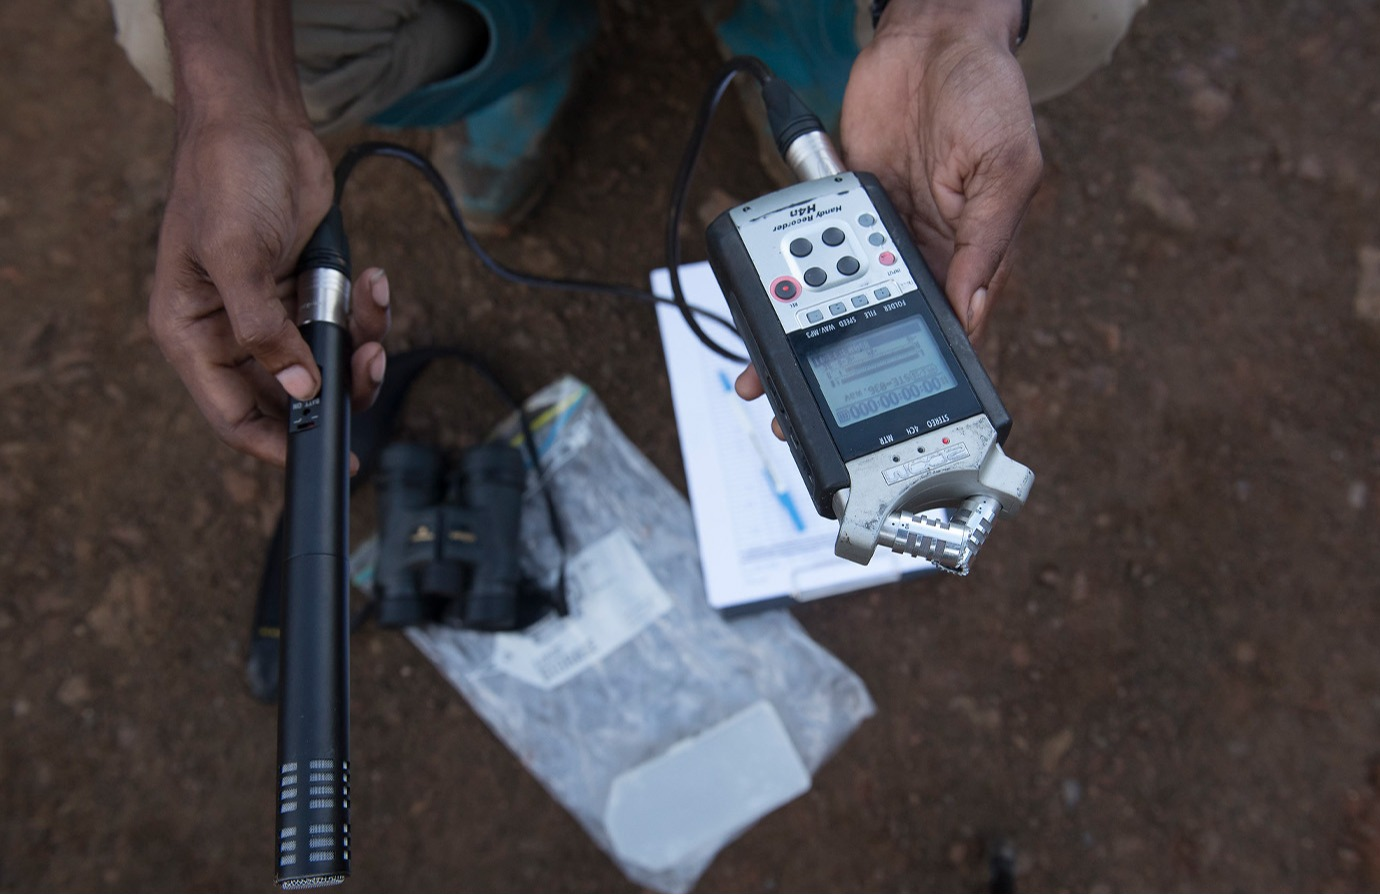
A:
x: 449, y: 537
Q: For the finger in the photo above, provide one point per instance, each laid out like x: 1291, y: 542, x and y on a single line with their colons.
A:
x: 244, y: 406
x: 996, y: 201
x: 748, y: 385
x: 258, y: 317
x: 983, y: 298
x: 369, y: 307
x: 202, y: 350
x: 366, y: 374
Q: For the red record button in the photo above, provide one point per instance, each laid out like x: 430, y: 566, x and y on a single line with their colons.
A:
x: 785, y: 288
x: 887, y: 259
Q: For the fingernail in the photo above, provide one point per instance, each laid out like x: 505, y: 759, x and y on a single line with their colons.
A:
x: 378, y: 288
x: 976, y: 307
x: 377, y: 366
x: 354, y: 463
x: 296, y: 381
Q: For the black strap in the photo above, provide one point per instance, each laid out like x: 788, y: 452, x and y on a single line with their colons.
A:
x: 369, y: 433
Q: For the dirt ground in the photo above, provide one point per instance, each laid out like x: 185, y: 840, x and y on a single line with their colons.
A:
x: 1163, y: 676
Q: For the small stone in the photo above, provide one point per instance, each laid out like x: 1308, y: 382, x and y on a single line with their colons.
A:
x: 1111, y: 335
x: 1314, y: 48
x: 1368, y: 284
x: 199, y: 514
x: 241, y: 487
x: 52, y: 602
x: 958, y: 853
x: 1356, y: 495
x: 1020, y: 655
x: 1071, y: 791
x: 129, y: 536
x: 1244, y: 653
x: 61, y: 257
x: 74, y: 692
x: 1055, y: 748
x: 981, y: 718
x: 1154, y: 192
x: 1078, y: 592
x: 20, y: 708
x: 124, y: 609
x: 1210, y: 107
x: 1049, y: 576
x: 1310, y: 168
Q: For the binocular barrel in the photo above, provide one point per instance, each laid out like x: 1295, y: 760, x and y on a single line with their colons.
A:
x: 449, y: 538
x: 494, y: 478
x: 408, y: 482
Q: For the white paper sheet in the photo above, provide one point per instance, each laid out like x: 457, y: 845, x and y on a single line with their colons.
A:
x: 756, y: 543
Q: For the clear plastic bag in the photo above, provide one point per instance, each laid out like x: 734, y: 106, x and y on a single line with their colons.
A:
x: 666, y: 730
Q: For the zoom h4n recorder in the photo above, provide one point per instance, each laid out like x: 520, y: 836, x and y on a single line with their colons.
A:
x: 881, y: 397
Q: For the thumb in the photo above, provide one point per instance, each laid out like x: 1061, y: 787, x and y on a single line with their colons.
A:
x: 262, y: 327
x: 983, y: 235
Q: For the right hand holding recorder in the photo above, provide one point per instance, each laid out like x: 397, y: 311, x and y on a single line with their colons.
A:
x: 883, y: 401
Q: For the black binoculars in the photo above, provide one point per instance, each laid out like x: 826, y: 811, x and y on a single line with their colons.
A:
x: 449, y: 538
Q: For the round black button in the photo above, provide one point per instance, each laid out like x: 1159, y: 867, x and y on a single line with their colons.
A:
x: 832, y: 237
x: 816, y: 277
x: 848, y: 265
x: 785, y: 289
x: 801, y: 247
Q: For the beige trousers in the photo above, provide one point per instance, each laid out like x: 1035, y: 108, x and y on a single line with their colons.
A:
x: 357, y: 57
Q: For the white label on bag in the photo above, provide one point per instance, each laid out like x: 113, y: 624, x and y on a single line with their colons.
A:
x: 613, y: 597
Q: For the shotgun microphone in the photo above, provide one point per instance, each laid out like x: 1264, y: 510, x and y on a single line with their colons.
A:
x: 313, y: 845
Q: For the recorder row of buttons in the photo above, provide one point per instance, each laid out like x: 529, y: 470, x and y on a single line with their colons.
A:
x: 839, y: 308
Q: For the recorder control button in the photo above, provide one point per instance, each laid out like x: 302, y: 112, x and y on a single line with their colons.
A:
x: 801, y: 247
x: 848, y: 265
x: 815, y: 277
x: 832, y: 237
x: 859, y: 301
x: 877, y: 239
x: 887, y: 259
x: 785, y: 289
x: 837, y: 308
x: 814, y: 316
x: 866, y: 220
x: 882, y: 293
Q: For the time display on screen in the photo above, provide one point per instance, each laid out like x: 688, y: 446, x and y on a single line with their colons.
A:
x: 877, y: 371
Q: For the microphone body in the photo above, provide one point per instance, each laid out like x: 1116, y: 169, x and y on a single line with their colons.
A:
x: 313, y: 821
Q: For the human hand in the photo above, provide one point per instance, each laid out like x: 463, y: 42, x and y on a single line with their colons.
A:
x: 248, y: 190
x: 937, y: 108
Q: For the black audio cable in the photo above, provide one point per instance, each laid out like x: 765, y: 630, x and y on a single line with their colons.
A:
x: 786, y: 114
x: 355, y: 154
